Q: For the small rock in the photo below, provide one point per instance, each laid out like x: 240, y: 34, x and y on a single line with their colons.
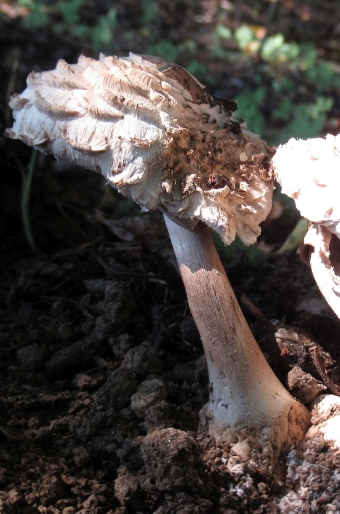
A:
x: 326, y: 419
x: 171, y: 460
x: 91, y: 502
x: 148, y: 393
x: 103, y: 327
x: 160, y: 415
x: 30, y: 357
x: 143, y: 360
x: 304, y: 386
x: 121, y: 344
x: 235, y: 465
x: 80, y: 456
x: 85, y: 382
x: 118, y: 303
x: 313, y: 464
x: 116, y: 392
x: 65, y: 331
x: 241, y: 449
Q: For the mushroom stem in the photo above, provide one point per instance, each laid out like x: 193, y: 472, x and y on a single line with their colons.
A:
x: 245, y: 392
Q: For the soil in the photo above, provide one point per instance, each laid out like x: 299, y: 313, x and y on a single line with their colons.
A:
x: 102, y: 369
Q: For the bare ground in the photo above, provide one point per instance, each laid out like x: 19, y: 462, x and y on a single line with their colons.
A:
x: 102, y: 370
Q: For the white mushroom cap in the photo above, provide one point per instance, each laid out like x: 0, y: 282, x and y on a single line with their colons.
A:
x: 156, y: 134
x: 309, y: 172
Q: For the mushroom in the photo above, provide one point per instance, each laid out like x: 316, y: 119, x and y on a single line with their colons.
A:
x: 309, y: 172
x: 157, y: 135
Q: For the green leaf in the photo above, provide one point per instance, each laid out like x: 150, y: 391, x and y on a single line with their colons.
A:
x: 249, y: 105
x: 196, y: 68
x: 70, y: 11
x: 271, y: 46
x: 223, y: 32
x: 165, y: 49
x: 244, y: 35
x: 103, y: 32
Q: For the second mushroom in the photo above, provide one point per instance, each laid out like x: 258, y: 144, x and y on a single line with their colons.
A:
x: 308, y: 172
x: 159, y: 137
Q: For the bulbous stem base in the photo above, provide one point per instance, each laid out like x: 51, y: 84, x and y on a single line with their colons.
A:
x: 246, y: 396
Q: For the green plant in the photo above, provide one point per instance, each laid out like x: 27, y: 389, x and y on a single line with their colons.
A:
x: 275, y: 107
x: 103, y: 32
x: 223, y: 32
x: 69, y: 11
x: 27, y: 178
x: 268, y: 64
x: 307, y: 119
x: 150, y: 12
x: 246, y: 40
x: 196, y: 68
x: 38, y: 13
x: 249, y: 105
x: 65, y: 19
x: 165, y: 49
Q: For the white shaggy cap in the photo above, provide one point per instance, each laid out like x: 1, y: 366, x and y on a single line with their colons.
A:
x: 155, y: 133
x: 309, y: 172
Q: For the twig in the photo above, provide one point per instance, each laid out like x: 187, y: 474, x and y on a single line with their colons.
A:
x: 319, y: 364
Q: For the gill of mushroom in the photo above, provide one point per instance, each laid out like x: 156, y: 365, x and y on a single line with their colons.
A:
x: 159, y: 137
x: 309, y: 172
